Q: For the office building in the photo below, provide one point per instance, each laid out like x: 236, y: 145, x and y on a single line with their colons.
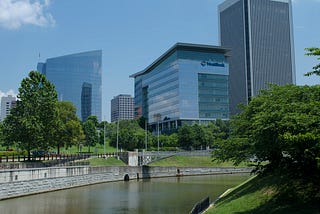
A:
x: 77, y: 78
x: 122, y: 108
x: 7, y: 103
x: 187, y: 84
x: 260, y: 36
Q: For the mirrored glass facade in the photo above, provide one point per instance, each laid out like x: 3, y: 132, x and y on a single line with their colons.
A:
x: 77, y: 78
x: 189, y: 83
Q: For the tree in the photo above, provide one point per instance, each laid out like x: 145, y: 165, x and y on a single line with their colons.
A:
x: 32, y: 122
x: 131, y: 135
x: 90, y: 131
x: 281, y: 126
x: 69, y: 130
x: 314, y: 52
x: 186, y: 137
x: 1, y: 134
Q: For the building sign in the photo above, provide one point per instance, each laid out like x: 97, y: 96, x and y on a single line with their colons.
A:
x: 210, y: 63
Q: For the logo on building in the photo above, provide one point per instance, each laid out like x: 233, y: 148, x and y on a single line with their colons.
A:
x: 210, y: 63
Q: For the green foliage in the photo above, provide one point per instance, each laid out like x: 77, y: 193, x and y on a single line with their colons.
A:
x: 68, y: 131
x: 90, y: 131
x: 1, y: 134
x: 130, y: 136
x: 313, y: 52
x: 32, y: 121
x: 282, y: 126
x: 186, y: 137
x: 202, y: 136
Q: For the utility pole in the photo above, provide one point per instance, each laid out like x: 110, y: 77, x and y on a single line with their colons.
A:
x: 146, y: 132
x: 118, y: 139
x: 104, y: 137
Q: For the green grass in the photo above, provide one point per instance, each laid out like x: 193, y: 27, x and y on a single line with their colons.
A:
x: 192, y: 161
x: 269, y: 194
x: 96, y: 149
x: 74, y: 149
x: 111, y: 161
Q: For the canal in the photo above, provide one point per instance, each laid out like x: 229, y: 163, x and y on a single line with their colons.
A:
x: 159, y: 195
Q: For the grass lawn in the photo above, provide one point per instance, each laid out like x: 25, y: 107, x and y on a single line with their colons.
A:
x: 96, y: 149
x: 264, y: 195
x: 192, y: 161
x: 111, y: 161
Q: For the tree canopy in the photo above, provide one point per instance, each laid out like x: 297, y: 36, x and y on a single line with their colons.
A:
x: 281, y: 126
x: 68, y: 131
x: 131, y: 135
x: 314, y: 52
x: 31, y: 123
x: 90, y: 131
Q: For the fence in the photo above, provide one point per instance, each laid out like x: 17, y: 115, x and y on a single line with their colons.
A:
x: 201, y: 206
x: 18, y: 158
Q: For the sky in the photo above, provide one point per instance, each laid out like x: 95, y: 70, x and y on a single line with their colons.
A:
x: 131, y: 35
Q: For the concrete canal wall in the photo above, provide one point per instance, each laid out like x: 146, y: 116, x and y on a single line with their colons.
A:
x: 21, y: 182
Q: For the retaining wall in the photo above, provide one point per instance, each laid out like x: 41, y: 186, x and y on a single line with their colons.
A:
x: 21, y: 182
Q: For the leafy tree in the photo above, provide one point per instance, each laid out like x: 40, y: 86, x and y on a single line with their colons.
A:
x: 69, y: 130
x: 90, y: 131
x: 131, y: 135
x: 167, y: 140
x: 314, y: 52
x: 221, y: 128
x: 32, y: 121
x: 186, y: 136
x: 1, y: 134
x: 281, y: 126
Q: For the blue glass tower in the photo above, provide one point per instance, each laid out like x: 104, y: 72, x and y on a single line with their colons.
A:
x: 77, y: 78
x: 187, y: 84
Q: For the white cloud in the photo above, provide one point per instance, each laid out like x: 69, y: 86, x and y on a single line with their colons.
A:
x: 5, y: 94
x: 15, y: 13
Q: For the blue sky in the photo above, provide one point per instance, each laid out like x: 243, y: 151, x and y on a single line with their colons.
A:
x: 131, y: 34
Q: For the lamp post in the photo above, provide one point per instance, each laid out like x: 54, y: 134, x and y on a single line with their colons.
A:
x: 158, y: 118
x: 104, y: 138
x: 118, y: 139
x: 146, y: 133
x: 158, y: 137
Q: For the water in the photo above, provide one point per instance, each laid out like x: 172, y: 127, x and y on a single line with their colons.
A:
x: 161, y: 195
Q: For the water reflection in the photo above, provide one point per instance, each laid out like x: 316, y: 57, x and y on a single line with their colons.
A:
x: 162, y: 195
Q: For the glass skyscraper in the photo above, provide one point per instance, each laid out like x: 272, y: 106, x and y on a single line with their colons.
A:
x: 77, y: 78
x: 260, y: 35
x: 187, y: 84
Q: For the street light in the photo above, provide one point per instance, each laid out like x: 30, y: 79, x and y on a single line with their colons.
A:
x: 104, y: 137
x: 146, y: 132
x: 158, y: 118
x: 118, y: 139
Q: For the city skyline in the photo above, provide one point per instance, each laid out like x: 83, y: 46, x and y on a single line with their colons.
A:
x: 128, y: 39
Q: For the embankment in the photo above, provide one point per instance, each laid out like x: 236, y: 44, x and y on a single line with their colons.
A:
x: 21, y: 182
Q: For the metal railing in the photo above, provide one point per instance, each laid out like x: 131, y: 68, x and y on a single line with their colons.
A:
x: 201, y: 206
